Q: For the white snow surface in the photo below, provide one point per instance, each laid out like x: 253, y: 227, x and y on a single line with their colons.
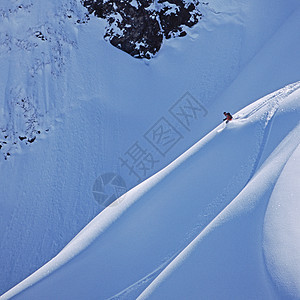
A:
x: 219, y: 217
x: 282, y: 218
x: 197, y: 226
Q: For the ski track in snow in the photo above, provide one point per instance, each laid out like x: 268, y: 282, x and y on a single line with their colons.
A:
x: 136, y: 288
x: 280, y: 96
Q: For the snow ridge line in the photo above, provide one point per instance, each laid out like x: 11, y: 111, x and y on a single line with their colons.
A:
x: 283, y: 93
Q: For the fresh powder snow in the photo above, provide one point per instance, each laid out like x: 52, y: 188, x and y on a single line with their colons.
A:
x: 118, y: 178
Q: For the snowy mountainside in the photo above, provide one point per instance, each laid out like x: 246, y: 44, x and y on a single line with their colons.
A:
x: 200, y: 228
x: 35, y: 47
x: 73, y: 108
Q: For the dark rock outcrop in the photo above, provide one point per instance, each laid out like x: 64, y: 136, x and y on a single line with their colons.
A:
x: 139, y: 26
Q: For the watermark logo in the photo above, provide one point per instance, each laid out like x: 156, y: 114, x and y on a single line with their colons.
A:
x: 142, y: 158
x: 109, y: 187
x: 138, y: 161
x: 187, y: 110
x: 163, y: 136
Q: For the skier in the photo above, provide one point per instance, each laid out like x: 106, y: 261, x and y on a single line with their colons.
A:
x: 228, y: 116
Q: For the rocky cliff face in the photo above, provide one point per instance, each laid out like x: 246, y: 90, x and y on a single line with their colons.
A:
x: 138, y: 27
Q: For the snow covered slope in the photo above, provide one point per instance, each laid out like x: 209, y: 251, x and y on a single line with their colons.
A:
x: 197, y: 228
x: 72, y: 108
x: 281, y: 230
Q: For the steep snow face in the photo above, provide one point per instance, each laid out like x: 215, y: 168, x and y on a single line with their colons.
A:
x: 37, y: 42
x: 194, y: 229
x: 73, y: 108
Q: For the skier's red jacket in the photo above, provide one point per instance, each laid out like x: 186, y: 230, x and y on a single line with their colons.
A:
x: 228, y: 116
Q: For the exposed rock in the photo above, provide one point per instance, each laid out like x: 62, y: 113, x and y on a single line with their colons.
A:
x: 31, y: 140
x: 138, y: 26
